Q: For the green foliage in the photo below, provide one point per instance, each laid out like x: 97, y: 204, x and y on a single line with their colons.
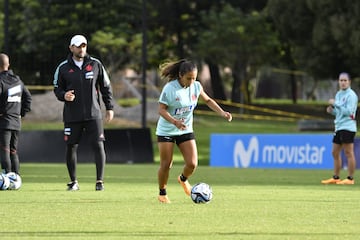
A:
x: 116, y: 49
x: 319, y: 37
x: 242, y: 34
x: 247, y: 204
x: 323, y: 34
x: 249, y: 39
x: 41, y: 31
x: 2, y: 26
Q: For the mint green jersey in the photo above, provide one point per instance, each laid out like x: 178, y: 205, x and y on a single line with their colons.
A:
x: 181, y: 103
x: 345, y: 110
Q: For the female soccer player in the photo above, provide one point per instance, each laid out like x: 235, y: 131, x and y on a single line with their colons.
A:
x: 343, y: 107
x: 177, y: 102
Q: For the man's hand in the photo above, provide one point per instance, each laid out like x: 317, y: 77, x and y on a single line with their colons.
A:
x: 109, y: 115
x: 69, y: 96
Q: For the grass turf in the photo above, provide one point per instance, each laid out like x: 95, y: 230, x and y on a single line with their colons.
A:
x: 247, y: 204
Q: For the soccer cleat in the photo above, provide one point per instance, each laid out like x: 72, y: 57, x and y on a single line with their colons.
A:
x: 99, y: 186
x: 346, y: 182
x: 73, y: 186
x: 331, y: 181
x: 186, y: 186
x: 163, y: 199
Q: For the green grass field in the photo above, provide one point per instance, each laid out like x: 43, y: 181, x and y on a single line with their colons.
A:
x: 247, y: 204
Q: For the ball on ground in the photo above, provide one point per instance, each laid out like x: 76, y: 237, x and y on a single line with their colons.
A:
x: 201, y: 193
x: 4, y: 182
x: 15, y: 180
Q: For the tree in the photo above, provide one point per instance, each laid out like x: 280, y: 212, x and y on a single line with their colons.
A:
x: 239, y: 41
x: 322, y: 34
x: 41, y: 31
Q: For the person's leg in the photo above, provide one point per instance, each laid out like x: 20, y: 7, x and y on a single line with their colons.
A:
x: 166, y: 158
x: 350, y: 156
x: 188, y: 150
x: 71, y: 160
x: 14, y: 158
x: 95, y: 131
x: 72, y: 136
x: 336, y: 150
x: 5, y: 137
x: 100, y: 158
x: 347, y: 140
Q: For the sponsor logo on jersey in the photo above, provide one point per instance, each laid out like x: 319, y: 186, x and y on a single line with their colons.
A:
x: 179, y: 111
x: 13, y: 94
x: 67, y: 131
x: 14, y: 99
x: 89, y: 75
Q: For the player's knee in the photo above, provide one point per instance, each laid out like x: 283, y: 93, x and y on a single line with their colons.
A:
x: 72, y: 146
x: 165, y: 165
x: 192, y: 165
x: 98, y: 146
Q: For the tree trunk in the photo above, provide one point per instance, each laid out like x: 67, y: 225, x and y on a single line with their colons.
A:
x: 216, y: 82
x: 290, y: 61
x: 293, y: 86
x: 238, y: 73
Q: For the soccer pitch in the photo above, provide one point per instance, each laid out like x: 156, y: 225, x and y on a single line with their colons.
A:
x: 246, y: 204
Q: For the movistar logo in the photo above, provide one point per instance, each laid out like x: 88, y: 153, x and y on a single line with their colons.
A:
x: 276, y: 154
x: 243, y: 156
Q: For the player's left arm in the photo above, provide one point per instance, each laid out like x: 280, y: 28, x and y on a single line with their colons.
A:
x: 105, y: 88
x: 349, y: 109
x: 59, y: 85
x: 214, y: 106
x: 106, y: 93
x: 25, y: 101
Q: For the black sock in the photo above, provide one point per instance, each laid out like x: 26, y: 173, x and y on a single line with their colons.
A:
x: 162, y: 192
x: 350, y: 177
x: 336, y: 177
x: 183, y: 178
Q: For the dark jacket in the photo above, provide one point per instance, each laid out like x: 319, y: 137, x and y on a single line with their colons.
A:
x: 15, y: 101
x: 87, y: 84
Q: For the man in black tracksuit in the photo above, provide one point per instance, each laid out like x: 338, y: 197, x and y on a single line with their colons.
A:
x: 15, y: 102
x: 78, y: 82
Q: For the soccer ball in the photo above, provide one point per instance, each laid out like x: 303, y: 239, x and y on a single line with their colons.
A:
x: 15, y: 180
x: 201, y: 193
x: 4, y: 182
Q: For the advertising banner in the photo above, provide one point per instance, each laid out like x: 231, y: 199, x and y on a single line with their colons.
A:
x: 308, y: 151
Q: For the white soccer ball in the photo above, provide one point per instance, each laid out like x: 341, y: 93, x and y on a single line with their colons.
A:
x: 201, y: 193
x: 15, y: 180
x: 4, y: 182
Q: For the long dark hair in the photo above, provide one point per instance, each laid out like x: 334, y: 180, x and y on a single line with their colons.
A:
x: 173, y: 70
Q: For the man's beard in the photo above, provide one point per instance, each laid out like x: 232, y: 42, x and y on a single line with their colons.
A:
x: 80, y: 55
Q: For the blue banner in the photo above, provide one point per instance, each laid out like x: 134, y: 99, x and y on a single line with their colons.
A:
x: 309, y: 151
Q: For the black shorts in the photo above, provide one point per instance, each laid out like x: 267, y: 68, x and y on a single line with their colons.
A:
x: 176, y: 139
x: 93, y: 130
x: 344, y: 136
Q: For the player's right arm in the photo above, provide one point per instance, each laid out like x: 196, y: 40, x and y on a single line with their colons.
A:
x: 163, y: 112
x: 59, y: 88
